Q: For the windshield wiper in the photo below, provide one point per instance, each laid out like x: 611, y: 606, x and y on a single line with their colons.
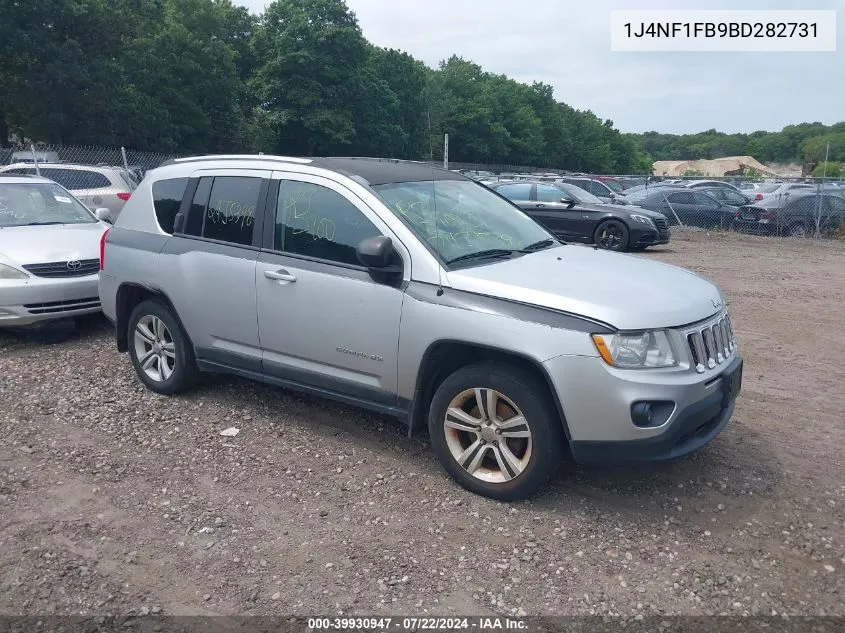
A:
x: 39, y: 223
x: 488, y: 254
x: 538, y: 246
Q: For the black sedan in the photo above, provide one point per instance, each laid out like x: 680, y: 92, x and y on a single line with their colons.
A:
x: 795, y: 215
x: 681, y: 205
x: 577, y: 215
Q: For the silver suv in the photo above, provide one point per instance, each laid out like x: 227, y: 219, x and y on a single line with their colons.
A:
x: 418, y: 293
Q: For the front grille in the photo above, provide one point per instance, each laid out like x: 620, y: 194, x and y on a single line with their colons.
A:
x: 712, y: 344
x: 52, y: 307
x: 73, y: 268
x: 662, y: 224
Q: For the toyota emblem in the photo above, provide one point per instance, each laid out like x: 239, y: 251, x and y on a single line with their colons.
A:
x: 74, y: 264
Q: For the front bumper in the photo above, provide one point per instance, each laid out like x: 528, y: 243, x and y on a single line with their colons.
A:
x: 597, y: 405
x: 647, y: 237
x: 36, y: 299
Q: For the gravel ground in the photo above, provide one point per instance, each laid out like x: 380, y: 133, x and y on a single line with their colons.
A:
x: 118, y: 501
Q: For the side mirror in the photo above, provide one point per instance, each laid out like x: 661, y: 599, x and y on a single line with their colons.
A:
x: 378, y: 254
x: 103, y: 214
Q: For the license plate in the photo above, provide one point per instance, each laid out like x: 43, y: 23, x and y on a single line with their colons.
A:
x: 731, y: 384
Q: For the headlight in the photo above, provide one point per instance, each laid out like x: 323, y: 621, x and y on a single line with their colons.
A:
x: 640, y: 350
x: 643, y: 220
x: 7, y: 272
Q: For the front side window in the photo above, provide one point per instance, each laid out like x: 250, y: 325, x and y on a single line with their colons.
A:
x: 703, y: 199
x: 315, y: 221
x: 40, y: 204
x: 460, y: 218
x: 547, y: 193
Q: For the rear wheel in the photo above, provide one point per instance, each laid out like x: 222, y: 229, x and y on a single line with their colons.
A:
x: 799, y: 229
x: 611, y: 235
x: 496, y: 431
x: 160, y: 351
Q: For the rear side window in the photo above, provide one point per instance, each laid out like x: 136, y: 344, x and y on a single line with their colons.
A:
x: 224, y: 209
x: 682, y: 197
x: 515, y: 192
x: 167, y: 196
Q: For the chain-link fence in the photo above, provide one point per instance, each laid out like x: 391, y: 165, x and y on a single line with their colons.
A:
x: 773, y: 206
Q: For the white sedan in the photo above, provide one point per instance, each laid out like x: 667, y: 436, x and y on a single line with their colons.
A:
x: 49, y: 252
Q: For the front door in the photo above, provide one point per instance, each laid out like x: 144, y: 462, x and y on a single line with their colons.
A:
x: 323, y: 321
x: 561, y: 218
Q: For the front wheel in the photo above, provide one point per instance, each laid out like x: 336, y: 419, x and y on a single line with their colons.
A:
x: 496, y: 431
x: 611, y: 235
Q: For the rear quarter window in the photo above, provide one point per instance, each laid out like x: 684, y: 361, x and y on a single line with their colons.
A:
x: 167, y: 197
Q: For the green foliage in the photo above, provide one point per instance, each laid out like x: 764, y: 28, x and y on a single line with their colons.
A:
x: 207, y: 76
x: 834, y: 170
x: 753, y: 175
x: 792, y: 143
x: 693, y: 173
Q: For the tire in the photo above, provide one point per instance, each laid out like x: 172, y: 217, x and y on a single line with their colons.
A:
x: 611, y: 235
x: 530, y: 460
x: 799, y: 229
x: 161, y: 353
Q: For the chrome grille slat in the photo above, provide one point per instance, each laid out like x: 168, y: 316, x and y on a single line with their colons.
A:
x: 711, y: 343
x: 61, y: 269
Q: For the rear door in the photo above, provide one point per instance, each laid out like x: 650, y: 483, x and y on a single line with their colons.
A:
x: 708, y: 212
x: 208, y: 266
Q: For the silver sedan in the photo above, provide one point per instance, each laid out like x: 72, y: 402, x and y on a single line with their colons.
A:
x: 49, y: 252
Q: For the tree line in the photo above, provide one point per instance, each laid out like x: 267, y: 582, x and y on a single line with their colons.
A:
x: 803, y: 143
x: 190, y: 76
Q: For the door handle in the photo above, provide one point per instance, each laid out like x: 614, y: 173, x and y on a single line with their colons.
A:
x: 541, y: 206
x: 279, y: 275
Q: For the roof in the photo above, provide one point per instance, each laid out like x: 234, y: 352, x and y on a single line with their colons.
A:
x: 375, y: 171
x: 381, y: 171
x: 23, y: 179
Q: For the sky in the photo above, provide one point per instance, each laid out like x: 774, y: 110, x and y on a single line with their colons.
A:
x: 566, y: 44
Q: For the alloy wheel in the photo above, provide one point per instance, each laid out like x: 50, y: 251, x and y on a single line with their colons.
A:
x: 487, y: 435
x: 154, y: 348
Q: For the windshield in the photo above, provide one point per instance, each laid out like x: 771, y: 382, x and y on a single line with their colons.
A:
x: 578, y: 194
x: 23, y: 204
x: 469, y: 217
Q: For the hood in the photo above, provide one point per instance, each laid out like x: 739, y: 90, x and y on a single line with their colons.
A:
x: 625, y: 291
x: 20, y: 245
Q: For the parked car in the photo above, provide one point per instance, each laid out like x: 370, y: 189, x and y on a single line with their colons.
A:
x: 781, y: 189
x: 727, y: 196
x: 615, y: 185
x: 683, y: 205
x: 794, y: 215
x: 42, y: 156
x: 96, y: 187
x: 418, y: 293
x: 710, y: 184
x: 49, y: 252
x: 593, y: 185
x: 575, y: 214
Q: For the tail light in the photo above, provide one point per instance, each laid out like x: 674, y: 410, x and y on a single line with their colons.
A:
x: 759, y: 196
x: 738, y: 214
x: 103, y: 249
x: 124, y: 195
